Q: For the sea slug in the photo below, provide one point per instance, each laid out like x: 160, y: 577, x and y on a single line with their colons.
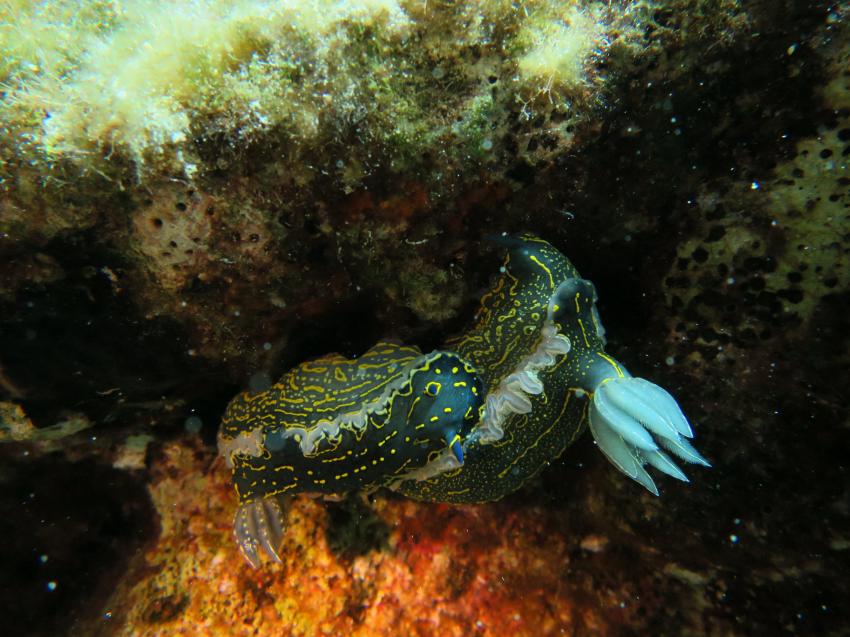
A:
x: 468, y: 423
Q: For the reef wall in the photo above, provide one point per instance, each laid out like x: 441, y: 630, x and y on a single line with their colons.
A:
x: 195, y: 196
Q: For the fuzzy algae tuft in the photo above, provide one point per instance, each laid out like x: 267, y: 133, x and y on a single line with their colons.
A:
x: 140, y: 79
x: 156, y: 83
x: 560, y: 47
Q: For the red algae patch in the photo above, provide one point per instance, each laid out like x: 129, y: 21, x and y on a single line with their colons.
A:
x: 449, y: 570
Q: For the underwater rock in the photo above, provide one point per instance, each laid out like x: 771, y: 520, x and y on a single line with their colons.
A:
x: 440, y: 569
x: 339, y: 164
x: 16, y: 427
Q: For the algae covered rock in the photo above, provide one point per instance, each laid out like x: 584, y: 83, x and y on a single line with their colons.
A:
x: 257, y: 146
x: 197, y: 196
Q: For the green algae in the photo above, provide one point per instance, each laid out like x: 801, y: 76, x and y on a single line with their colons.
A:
x: 149, y: 83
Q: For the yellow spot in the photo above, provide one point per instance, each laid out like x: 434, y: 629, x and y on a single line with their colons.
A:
x: 447, y: 410
x: 434, y: 418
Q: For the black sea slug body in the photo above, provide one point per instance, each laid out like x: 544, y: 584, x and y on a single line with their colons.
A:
x: 470, y: 423
x: 334, y: 425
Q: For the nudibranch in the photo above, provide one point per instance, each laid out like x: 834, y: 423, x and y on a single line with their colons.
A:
x: 469, y: 423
